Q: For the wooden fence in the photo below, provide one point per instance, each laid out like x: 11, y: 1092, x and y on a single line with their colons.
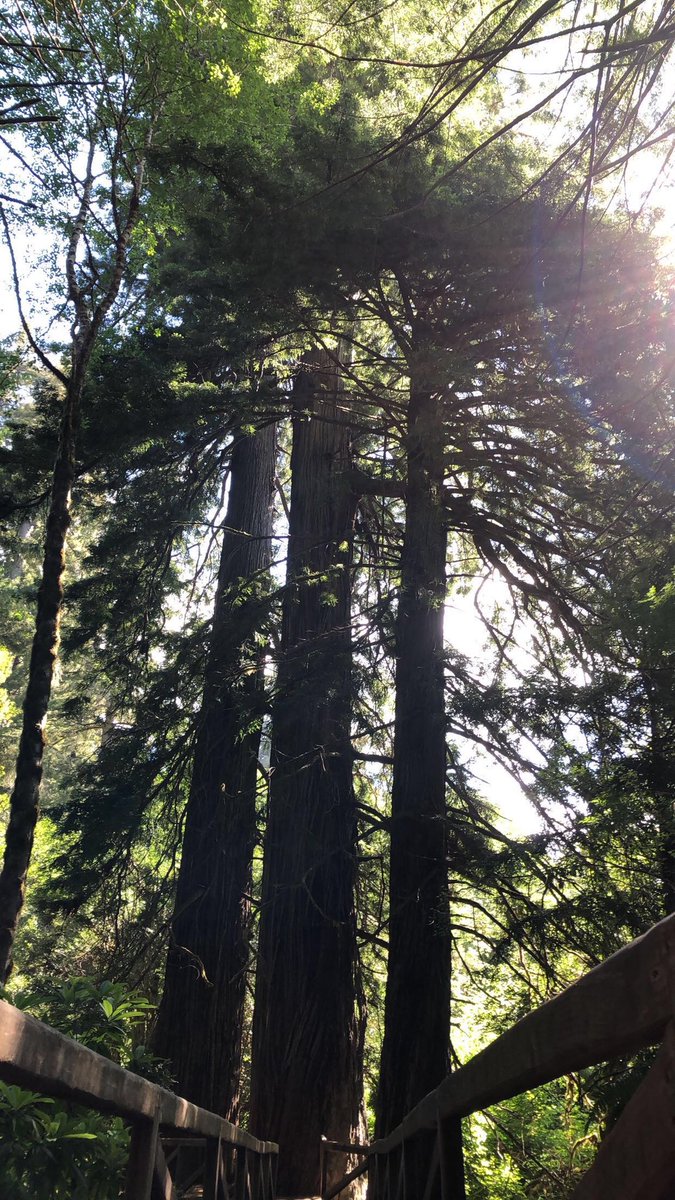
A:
x: 174, y: 1144
x: 625, y: 1004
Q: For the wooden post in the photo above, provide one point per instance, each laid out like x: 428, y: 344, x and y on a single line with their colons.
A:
x: 142, y: 1157
x: 213, y: 1169
x: 373, y: 1178
x: 270, y: 1160
x: 274, y: 1168
x: 386, y: 1183
x: 255, y: 1176
x: 401, y: 1181
x: 241, y: 1188
x: 322, y: 1166
x: 162, y: 1183
x: 229, y: 1160
x: 431, y: 1190
x: 636, y: 1160
x: 451, y: 1158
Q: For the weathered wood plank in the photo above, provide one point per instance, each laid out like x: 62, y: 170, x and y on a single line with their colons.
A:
x: 353, y: 1149
x: 636, y: 1161
x: 617, y: 1008
x: 449, y: 1142
x: 401, y: 1193
x: 270, y: 1177
x: 241, y: 1183
x: 213, y: 1170
x: 345, y: 1182
x: 142, y: 1156
x: 345, y: 1147
x: 162, y: 1183
x: 434, y: 1171
x: 39, y: 1058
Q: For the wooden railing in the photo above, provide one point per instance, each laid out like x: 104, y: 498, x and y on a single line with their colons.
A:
x: 625, y: 1004
x: 174, y: 1144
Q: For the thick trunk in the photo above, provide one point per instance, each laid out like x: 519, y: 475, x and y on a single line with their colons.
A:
x: 417, y: 1006
x: 201, y: 1015
x: 306, y: 1029
x: 25, y: 799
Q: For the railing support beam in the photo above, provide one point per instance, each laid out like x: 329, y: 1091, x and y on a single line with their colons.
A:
x: 142, y: 1156
x: 451, y: 1158
x: 162, y: 1188
x: 636, y: 1161
x: 213, y: 1170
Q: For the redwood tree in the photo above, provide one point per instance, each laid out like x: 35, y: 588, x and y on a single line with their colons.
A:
x: 307, y: 1034
x: 201, y: 1016
x: 415, y: 1051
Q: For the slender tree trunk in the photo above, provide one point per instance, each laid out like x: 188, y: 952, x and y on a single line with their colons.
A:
x: 415, y: 1050
x: 89, y: 318
x: 657, y: 685
x: 666, y: 820
x: 307, y: 1071
x: 25, y: 798
x: 201, y: 1014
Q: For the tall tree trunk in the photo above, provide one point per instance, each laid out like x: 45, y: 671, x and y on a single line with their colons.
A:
x: 89, y: 318
x: 201, y: 1014
x: 657, y: 684
x: 415, y: 1050
x: 307, y: 1073
x: 25, y: 798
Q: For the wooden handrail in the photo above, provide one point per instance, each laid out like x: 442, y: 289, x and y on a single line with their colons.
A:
x: 39, y: 1058
x: 624, y: 1004
x: 619, y: 1007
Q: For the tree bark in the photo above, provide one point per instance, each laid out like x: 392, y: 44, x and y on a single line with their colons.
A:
x: 201, y: 1015
x: 25, y: 798
x: 307, y: 1033
x: 415, y: 1051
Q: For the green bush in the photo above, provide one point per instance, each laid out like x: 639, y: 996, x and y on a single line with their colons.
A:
x: 50, y: 1150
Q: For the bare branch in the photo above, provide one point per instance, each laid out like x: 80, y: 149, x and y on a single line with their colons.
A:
x: 46, y: 362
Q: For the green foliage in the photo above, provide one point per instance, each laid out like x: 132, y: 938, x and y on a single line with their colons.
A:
x: 61, y: 1151
x: 102, y: 1016
x: 8, y: 708
x: 51, y: 1153
x: 539, y: 1144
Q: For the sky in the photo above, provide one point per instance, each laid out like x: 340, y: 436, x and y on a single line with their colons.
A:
x: 465, y: 631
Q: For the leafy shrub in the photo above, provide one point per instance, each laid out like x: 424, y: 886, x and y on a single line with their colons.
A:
x: 50, y: 1150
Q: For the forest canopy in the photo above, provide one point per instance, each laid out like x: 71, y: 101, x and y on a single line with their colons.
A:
x: 336, y: 561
